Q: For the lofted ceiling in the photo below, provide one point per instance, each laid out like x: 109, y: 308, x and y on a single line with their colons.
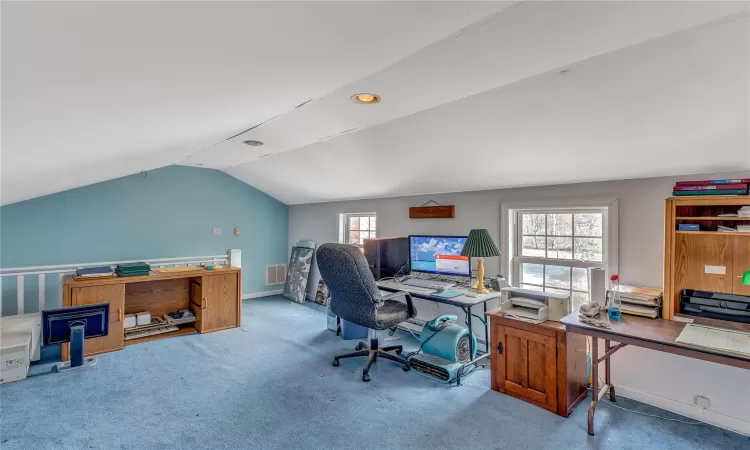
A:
x: 475, y: 95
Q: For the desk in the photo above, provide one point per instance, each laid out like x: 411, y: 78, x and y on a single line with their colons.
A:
x: 462, y: 301
x: 654, y: 334
x: 214, y: 296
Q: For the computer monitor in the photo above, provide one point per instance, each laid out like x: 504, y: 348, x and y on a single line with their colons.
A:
x: 74, y: 324
x: 439, y: 255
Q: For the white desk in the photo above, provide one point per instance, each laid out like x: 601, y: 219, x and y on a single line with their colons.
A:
x: 462, y: 301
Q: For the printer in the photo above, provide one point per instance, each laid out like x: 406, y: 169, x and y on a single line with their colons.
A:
x: 534, y: 306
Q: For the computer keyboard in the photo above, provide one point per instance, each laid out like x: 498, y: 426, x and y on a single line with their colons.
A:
x: 428, y: 284
x: 150, y: 332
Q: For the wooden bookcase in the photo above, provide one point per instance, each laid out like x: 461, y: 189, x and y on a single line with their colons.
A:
x: 706, y: 260
x: 214, y: 296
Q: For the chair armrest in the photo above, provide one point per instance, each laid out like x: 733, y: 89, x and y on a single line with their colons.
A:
x: 407, y: 295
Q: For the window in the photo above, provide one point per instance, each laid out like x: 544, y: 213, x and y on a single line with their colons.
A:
x: 355, y: 228
x: 554, y: 249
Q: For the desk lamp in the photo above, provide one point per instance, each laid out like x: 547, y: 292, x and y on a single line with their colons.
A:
x: 480, y: 245
x: 746, y: 278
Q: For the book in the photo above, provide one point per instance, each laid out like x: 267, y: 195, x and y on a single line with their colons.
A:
x: 711, y: 187
x: 705, y: 182
x: 94, y: 272
x: 714, y: 192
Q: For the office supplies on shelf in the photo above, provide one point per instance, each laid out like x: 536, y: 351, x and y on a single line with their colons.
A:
x: 708, y: 182
x: 182, y: 269
x: 710, y: 187
x: 689, y: 227
x: 94, y: 272
x: 439, y: 255
x: 129, y: 335
x: 659, y: 334
x: 142, y: 318
x: 744, y: 211
x: 725, y: 340
x: 723, y: 229
x: 447, y: 294
x: 130, y: 321
x: 74, y: 324
x: 387, y: 257
x: 730, y: 307
x: 136, y: 269
x: 714, y: 192
x: 355, y: 297
x: 480, y: 244
x: 743, y: 228
x: 428, y: 284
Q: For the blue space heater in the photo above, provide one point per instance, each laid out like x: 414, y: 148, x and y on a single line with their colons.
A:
x: 445, y: 348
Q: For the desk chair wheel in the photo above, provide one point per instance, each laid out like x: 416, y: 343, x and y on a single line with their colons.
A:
x: 360, y: 346
x: 365, y: 377
x: 392, y: 331
x: 405, y: 368
x: 398, y: 351
x: 335, y: 362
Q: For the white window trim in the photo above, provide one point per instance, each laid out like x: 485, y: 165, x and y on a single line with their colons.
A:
x: 343, y: 225
x: 508, y: 242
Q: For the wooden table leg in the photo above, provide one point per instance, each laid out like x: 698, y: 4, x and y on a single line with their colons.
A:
x: 607, y: 373
x: 594, y: 382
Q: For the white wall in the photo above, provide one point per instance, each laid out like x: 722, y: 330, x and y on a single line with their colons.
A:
x: 657, y: 378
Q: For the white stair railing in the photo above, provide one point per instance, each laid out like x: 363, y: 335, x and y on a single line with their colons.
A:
x: 233, y: 257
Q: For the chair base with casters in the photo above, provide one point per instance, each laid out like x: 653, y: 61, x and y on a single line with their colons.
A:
x: 373, y: 351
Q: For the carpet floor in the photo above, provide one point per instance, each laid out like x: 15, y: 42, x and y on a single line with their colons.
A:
x: 270, y: 385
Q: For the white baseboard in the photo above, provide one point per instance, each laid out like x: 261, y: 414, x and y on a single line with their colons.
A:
x: 692, y: 411
x: 262, y: 294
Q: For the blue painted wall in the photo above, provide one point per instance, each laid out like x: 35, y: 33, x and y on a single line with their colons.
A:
x: 168, y: 213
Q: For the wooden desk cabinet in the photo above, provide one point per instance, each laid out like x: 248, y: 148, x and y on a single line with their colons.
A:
x: 541, y: 364
x: 215, y: 297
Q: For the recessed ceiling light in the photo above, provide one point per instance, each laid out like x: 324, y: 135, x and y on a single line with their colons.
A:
x: 365, y: 98
x: 253, y: 143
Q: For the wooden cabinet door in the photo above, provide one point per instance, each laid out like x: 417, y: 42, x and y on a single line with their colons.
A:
x: 114, y: 294
x: 219, y: 307
x: 741, y: 264
x: 699, y: 258
x: 525, y: 366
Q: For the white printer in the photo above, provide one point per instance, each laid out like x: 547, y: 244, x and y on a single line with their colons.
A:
x: 534, y: 306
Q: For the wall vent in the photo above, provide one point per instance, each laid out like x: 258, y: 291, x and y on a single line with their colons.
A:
x: 275, y: 274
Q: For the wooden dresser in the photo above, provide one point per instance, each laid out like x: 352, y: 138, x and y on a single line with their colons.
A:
x: 214, y: 296
x: 541, y: 364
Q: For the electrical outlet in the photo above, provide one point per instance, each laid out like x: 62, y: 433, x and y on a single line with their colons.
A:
x: 703, y: 402
x: 237, y: 231
x: 217, y: 231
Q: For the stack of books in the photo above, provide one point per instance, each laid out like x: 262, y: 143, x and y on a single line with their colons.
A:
x: 93, y: 272
x: 640, y: 301
x: 712, y: 187
x: 132, y: 269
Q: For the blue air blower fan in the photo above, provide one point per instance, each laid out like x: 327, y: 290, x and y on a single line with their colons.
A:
x: 445, y: 348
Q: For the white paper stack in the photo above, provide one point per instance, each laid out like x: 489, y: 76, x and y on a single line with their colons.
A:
x: 640, y: 301
x: 744, y: 211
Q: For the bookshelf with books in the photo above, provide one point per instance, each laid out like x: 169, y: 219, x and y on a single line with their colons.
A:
x: 705, y: 246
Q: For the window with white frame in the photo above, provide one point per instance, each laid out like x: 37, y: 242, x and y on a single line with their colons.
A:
x: 355, y: 228
x: 554, y: 249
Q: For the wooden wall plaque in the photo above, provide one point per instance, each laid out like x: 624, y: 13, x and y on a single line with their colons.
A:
x: 433, y: 212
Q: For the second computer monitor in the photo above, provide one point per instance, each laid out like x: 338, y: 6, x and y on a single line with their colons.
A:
x: 439, y: 254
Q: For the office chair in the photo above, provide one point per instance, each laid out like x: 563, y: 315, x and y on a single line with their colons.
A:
x: 355, y: 297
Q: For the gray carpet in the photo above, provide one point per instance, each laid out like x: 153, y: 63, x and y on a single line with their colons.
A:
x: 271, y: 385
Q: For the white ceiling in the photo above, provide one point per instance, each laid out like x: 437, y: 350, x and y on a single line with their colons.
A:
x: 473, y: 98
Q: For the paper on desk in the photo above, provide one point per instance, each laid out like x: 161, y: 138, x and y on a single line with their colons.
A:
x: 721, y: 339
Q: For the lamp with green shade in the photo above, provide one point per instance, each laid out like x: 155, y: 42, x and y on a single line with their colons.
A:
x: 480, y: 245
x: 746, y: 278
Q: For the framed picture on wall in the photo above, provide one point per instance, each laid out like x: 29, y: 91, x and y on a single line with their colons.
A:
x: 295, y: 288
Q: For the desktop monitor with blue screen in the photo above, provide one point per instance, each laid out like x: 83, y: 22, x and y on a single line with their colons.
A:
x: 439, y: 255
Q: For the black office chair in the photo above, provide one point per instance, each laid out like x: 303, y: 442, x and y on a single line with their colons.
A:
x: 355, y: 297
